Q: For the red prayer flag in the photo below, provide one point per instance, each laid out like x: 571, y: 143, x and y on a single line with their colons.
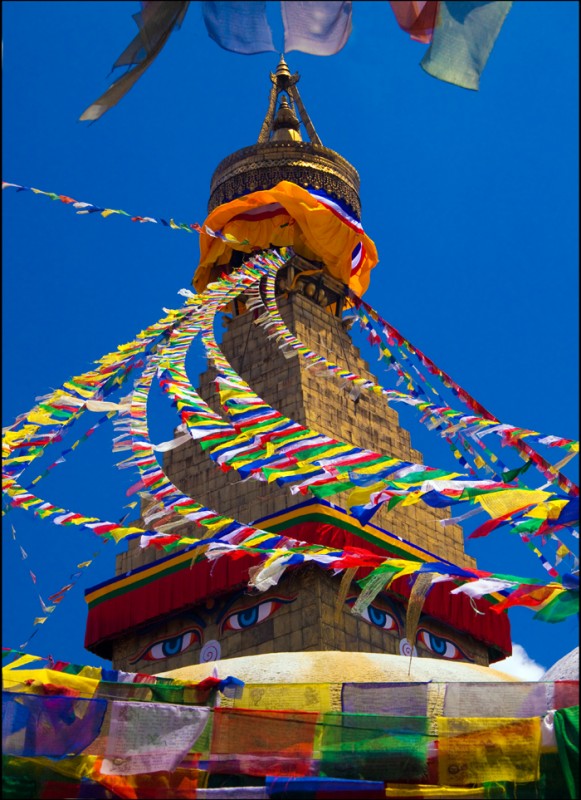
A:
x: 416, y: 18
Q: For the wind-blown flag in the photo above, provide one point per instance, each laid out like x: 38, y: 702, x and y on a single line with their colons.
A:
x: 416, y: 17
x: 156, y: 22
x: 461, y: 34
x: 318, y: 28
x: 240, y: 27
x: 463, y: 40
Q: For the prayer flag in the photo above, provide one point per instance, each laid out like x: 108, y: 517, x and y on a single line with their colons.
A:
x: 417, y: 18
x: 463, y: 39
x: 318, y: 28
x: 240, y: 27
x: 155, y: 22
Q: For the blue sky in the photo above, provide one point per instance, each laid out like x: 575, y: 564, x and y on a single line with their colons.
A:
x: 471, y: 198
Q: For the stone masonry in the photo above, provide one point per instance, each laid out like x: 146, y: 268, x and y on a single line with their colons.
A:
x: 318, y: 403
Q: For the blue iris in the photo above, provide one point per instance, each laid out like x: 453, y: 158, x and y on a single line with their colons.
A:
x: 377, y: 616
x: 437, y: 644
x: 248, y: 617
x: 172, y: 646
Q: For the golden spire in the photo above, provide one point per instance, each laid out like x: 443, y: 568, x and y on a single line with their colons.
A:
x: 286, y: 126
x: 281, y: 154
x: 282, y: 71
x: 283, y: 81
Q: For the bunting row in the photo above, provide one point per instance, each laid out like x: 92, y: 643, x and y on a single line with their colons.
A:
x: 85, y: 731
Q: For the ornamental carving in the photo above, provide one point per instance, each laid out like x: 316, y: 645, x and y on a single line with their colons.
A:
x: 263, y: 166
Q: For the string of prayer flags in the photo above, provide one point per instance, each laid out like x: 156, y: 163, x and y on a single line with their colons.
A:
x: 516, y: 440
x: 436, y: 739
x: 256, y: 440
x: 474, y: 751
x: 270, y: 320
x: 90, y: 208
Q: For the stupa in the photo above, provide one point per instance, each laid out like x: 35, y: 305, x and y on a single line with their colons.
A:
x: 253, y: 659
x: 169, y: 616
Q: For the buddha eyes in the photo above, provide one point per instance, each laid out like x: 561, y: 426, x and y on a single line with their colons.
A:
x: 249, y: 617
x: 438, y: 645
x: 169, y: 647
x: 193, y: 637
x: 380, y: 618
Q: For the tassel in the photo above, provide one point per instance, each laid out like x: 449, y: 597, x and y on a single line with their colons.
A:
x: 416, y: 600
x: 346, y: 581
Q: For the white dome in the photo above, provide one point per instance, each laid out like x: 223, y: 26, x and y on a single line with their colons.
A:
x: 332, y: 666
x: 565, y: 669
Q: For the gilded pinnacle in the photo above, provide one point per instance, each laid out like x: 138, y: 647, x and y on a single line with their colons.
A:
x: 282, y: 70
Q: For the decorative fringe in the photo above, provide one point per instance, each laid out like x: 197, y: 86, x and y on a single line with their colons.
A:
x: 416, y: 600
x: 346, y: 581
x: 373, y: 587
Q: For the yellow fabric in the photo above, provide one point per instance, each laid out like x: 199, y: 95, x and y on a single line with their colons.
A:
x: 496, y: 504
x: 20, y: 662
x: 301, y: 470
x: 388, y: 462
x: 286, y: 697
x: 407, y: 568
x: 361, y: 496
x: 478, y: 750
x: 412, y: 497
x: 16, y: 681
x: 423, y: 790
x: 550, y: 510
x: 121, y: 533
x: 72, y: 767
x: 304, y: 223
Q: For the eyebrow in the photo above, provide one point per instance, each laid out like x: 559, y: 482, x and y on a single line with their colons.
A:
x: 195, y: 618
x: 227, y: 605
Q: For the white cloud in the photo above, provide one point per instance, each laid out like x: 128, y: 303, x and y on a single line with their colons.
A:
x: 520, y: 665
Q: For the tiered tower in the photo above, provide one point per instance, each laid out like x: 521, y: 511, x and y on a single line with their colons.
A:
x: 311, y: 302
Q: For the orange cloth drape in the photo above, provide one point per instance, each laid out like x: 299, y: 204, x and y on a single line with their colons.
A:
x: 285, y: 215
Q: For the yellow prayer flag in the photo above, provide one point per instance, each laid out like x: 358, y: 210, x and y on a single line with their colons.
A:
x: 286, y: 697
x: 31, y: 680
x: 402, y: 790
x: 360, y: 496
x: 73, y: 767
x: 549, y: 510
x: 41, y: 417
x: 17, y: 459
x: 478, y: 750
x: 300, y: 470
x: 20, y: 662
x: 408, y: 568
x: 412, y: 497
x: 496, y: 504
x: 215, y: 526
x: 120, y: 533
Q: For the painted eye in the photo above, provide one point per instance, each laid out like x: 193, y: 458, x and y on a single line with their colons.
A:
x: 250, y: 616
x: 439, y: 645
x: 380, y: 618
x: 169, y: 647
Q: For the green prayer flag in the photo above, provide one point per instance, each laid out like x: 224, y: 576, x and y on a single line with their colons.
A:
x: 463, y: 39
x: 566, y: 722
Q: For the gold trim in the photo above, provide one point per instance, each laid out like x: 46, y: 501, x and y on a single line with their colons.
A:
x: 262, y: 166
